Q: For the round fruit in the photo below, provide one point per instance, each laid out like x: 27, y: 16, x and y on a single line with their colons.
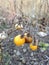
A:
x: 33, y: 47
x: 28, y: 38
x: 19, y: 40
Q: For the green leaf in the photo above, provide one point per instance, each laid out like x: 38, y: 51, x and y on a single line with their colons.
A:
x: 43, y: 45
x: 46, y: 44
x: 43, y: 49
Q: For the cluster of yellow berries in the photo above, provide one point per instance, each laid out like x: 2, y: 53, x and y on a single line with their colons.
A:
x: 20, y: 40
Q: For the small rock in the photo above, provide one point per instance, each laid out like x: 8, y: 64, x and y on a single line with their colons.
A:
x: 36, y: 63
x: 32, y: 54
x: 3, y: 35
x: 20, y: 63
x: 18, y: 53
x: 10, y: 62
x: 24, y: 50
x: 23, y: 61
x: 35, y: 59
x: 11, y: 39
x: 15, y: 51
x: 32, y: 62
x: 14, y: 55
x: 27, y: 63
x: 2, y: 47
x: 42, y: 34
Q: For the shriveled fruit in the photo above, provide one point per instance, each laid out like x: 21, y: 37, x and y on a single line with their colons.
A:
x: 28, y: 38
x: 18, y: 27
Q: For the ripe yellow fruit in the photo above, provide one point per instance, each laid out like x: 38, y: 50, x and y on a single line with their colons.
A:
x: 33, y: 47
x: 19, y: 41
